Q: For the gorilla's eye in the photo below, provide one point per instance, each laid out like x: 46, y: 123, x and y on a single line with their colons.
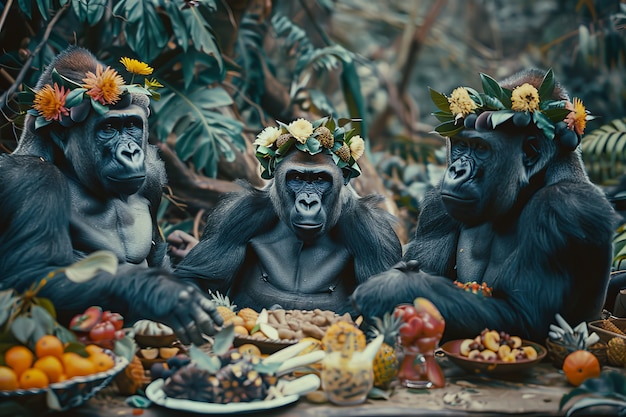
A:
x: 107, y: 130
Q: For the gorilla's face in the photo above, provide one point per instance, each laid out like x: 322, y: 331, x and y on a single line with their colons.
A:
x: 486, y: 171
x: 306, y: 193
x: 108, y: 152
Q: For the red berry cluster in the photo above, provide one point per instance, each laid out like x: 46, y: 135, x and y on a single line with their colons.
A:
x: 98, y: 327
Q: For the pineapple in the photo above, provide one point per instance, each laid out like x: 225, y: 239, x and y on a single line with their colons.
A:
x: 617, y: 351
x: 224, y: 306
x: 386, y: 361
x: 339, y: 333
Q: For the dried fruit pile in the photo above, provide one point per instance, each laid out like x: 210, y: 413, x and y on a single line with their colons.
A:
x: 491, y: 345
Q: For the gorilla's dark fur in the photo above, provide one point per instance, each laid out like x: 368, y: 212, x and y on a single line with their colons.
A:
x: 95, y: 185
x: 539, y: 232
x: 252, y: 251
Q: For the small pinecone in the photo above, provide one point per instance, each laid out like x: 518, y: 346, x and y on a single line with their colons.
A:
x: 325, y: 136
x: 344, y: 153
x: 282, y: 139
x: 240, y: 382
x: 617, y: 351
x: 385, y: 366
x: 611, y: 327
x: 190, y: 383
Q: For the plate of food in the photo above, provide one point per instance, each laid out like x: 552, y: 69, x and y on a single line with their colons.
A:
x: 155, y: 393
x: 273, y: 330
x: 494, y: 352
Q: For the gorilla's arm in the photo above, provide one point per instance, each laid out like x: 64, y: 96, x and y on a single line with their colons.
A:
x: 367, y: 231
x: 215, y: 260
x: 35, y: 240
x: 152, y: 190
x: 557, y: 253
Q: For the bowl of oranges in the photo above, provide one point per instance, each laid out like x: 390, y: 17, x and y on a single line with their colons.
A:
x: 52, y: 374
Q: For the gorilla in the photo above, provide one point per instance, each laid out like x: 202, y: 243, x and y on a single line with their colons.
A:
x: 84, y: 178
x: 515, y: 232
x: 306, y: 239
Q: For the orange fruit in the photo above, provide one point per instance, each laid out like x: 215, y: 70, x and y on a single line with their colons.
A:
x: 579, y: 366
x: 49, y: 345
x: 76, y: 365
x: 8, y: 379
x: 102, y: 362
x: 33, y: 378
x: 241, y: 331
x: 19, y: 358
x: 51, y: 366
x: 92, y: 349
x: 249, y: 349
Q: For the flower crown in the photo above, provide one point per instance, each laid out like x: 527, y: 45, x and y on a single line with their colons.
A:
x: 524, y: 104
x: 323, y: 135
x: 68, y: 102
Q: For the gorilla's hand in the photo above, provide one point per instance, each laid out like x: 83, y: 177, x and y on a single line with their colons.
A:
x: 180, y: 305
x: 180, y: 243
x: 383, y: 292
x: 193, y: 315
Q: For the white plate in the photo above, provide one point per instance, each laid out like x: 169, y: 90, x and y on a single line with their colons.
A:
x: 155, y: 394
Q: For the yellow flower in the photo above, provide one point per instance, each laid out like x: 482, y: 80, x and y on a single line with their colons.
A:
x: 267, y: 137
x: 50, y: 102
x: 104, y: 86
x: 577, y: 119
x: 301, y: 129
x: 136, y: 67
x: 461, y: 103
x: 357, y: 147
x: 525, y: 98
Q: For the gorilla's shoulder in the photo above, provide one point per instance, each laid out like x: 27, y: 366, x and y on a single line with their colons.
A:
x: 29, y: 172
x: 576, y: 209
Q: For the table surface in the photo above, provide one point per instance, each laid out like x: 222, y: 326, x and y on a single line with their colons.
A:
x: 534, y: 392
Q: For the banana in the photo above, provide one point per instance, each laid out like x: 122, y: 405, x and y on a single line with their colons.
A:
x: 299, y: 386
x: 288, y: 352
x: 299, y: 361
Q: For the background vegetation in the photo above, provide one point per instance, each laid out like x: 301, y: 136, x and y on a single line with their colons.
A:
x: 231, y: 67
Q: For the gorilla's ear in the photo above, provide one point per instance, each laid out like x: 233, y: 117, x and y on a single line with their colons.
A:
x: 531, y: 148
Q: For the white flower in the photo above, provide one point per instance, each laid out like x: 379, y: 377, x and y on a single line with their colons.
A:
x: 267, y: 137
x: 301, y: 129
x: 357, y: 147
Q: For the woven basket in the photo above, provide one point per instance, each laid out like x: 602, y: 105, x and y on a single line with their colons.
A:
x: 557, y: 353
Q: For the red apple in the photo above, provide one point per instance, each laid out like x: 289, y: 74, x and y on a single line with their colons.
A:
x: 86, y: 321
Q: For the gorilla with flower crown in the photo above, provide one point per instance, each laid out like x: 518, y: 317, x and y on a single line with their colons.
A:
x: 515, y: 232
x: 85, y: 179
x: 306, y: 240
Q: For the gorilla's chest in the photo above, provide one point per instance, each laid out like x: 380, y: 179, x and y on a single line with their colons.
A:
x: 280, y: 269
x: 481, y: 253
x: 123, y: 227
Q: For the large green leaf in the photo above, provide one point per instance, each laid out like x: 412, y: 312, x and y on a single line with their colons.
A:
x: 604, y: 151
x: 202, y: 34
x: 89, y: 11
x: 44, y: 7
x: 203, y: 134
x: 144, y: 30
x: 26, y: 7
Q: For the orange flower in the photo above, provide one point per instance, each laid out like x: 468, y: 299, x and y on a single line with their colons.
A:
x: 104, y: 86
x: 50, y: 102
x: 577, y: 119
